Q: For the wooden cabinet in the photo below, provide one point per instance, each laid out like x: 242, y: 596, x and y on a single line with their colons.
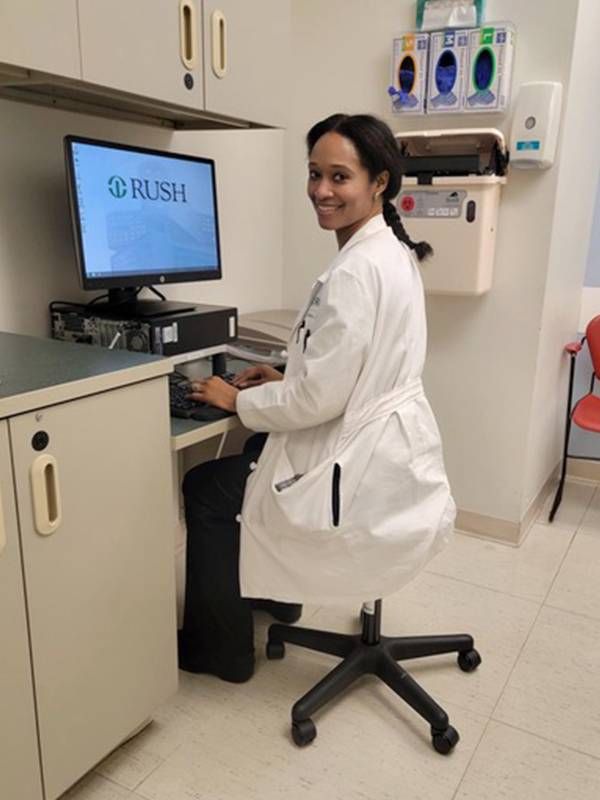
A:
x: 19, y: 759
x: 151, y: 49
x: 41, y: 36
x: 246, y: 56
x: 88, y: 616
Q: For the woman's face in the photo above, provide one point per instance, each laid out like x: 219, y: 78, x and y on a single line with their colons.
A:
x: 339, y: 187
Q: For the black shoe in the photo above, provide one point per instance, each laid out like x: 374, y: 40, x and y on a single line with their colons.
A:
x: 282, y: 612
x: 234, y: 669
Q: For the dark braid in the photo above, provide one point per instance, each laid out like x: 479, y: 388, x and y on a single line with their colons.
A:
x: 378, y: 152
x: 391, y: 216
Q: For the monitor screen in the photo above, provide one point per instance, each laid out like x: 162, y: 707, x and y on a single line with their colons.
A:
x: 141, y: 217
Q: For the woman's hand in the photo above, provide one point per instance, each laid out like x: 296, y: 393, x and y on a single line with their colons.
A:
x: 214, y: 391
x: 256, y: 375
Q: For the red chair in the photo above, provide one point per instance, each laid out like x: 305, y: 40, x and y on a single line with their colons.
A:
x: 586, y: 413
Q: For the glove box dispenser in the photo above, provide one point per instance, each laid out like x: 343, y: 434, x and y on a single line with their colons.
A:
x: 450, y: 198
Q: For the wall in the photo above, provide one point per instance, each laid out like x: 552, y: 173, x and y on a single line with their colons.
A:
x: 483, y: 352
x: 37, y: 262
x: 571, y: 232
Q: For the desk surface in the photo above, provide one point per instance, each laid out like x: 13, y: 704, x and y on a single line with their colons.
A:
x: 37, y: 372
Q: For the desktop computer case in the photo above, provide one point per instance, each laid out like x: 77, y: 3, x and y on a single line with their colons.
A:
x: 170, y: 334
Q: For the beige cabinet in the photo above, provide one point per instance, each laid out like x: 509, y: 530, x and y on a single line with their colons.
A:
x: 150, y: 48
x: 94, y: 508
x: 40, y: 35
x: 19, y: 758
x: 246, y: 57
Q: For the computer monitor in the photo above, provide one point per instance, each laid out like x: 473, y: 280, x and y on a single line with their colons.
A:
x: 141, y: 217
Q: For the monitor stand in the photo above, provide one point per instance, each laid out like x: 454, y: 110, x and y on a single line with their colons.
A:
x: 124, y: 304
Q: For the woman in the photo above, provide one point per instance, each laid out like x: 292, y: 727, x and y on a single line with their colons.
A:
x: 349, y: 497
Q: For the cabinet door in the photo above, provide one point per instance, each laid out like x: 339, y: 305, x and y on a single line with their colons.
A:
x: 140, y: 46
x: 246, y: 53
x: 95, y: 510
x: 19, y: 757
x: 40, y: 36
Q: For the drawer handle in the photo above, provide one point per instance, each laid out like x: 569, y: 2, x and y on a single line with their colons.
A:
x: 188, y: 33
x: 2, y: 528
x: 219, y: 44
x: 46, y: 495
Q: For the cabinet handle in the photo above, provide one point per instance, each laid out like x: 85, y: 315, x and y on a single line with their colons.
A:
x: 46, y: 494
x: 219, y: 44
x: 2, y: 528
x: 188, y: 33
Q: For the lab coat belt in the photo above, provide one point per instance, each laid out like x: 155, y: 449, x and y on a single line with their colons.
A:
x: 382, y: 406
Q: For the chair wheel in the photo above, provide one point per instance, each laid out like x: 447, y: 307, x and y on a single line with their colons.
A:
x: 469, y: 660
x: 444, y: 741
x: 275, y: 650
x: 303, y: 732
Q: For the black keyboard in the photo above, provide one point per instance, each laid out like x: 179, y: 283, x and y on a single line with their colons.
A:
x: 182, y: 406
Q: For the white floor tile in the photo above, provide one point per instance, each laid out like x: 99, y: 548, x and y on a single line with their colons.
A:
x: 435, y: 604
x: 95, y: 787
x: 525, y: 571
x: 590, y: 524
x: 366, y: 747
x: 577, y: 585
x: 554, y: 689
x: 576, y: 499
x: 512, y: 765
x: 130, y: 764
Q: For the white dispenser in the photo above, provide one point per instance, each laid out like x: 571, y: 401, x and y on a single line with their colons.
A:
x: 450, y: 198
x: 535, y: 125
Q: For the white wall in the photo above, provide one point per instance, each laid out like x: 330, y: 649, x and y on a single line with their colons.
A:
x: 483, y: 352
x: 569, y: 244
x: 37, y: 262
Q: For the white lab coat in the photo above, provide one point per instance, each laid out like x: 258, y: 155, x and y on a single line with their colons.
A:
x: 349, y: 498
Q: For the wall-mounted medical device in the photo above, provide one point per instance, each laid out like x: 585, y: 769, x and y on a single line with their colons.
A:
x: 450, y: 197
x: 536, y: 122
x: 408, y: 88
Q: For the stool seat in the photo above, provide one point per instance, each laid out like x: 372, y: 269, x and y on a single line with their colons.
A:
x: 372, y: 653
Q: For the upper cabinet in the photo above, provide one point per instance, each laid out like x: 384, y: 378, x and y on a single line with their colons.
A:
x: 152, y: 49
x: 40, y: 35
x: 183, y: 63
x: 246, y: 51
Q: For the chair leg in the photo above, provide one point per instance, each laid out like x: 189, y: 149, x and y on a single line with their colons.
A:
x: 409, y: 690
x: 335, y: 644
x: 340, y: 678
x: 405, y: 647
x: 563, y: 473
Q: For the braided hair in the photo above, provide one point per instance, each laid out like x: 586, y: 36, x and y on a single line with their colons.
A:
x: 378, y: 152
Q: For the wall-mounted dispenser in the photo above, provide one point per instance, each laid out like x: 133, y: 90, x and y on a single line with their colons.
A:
x: 536, y: 121
x: 408, y: 88
x: 450, y: 198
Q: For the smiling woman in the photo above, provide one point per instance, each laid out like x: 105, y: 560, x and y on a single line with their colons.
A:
x: 347, y: 498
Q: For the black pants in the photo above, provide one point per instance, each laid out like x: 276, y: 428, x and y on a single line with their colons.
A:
x: 218, y: 629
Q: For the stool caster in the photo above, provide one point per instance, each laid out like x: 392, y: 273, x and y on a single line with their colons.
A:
x: 469, y: 660
x: 444, y: 741
x: 303, y: 732
x: 275, y: 650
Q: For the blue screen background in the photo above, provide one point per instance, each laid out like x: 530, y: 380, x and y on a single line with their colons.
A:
x: 127, y: 235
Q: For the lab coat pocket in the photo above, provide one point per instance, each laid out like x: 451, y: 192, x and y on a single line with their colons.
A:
x: 316, y: 503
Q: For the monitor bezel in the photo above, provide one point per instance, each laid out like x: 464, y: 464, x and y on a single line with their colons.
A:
x: 134, y: 280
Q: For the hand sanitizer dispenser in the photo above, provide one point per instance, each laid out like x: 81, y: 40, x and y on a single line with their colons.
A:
x: 450, y: 198
x: 535, y: 125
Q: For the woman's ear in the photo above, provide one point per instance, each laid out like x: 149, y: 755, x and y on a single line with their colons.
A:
x: 382, y: 181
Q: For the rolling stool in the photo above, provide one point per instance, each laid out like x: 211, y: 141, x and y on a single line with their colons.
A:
x: 371, y: 653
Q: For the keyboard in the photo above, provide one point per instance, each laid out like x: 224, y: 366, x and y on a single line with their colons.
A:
x: 183, y: 406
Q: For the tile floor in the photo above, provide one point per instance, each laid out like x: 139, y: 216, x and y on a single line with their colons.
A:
x: 529, y: 717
